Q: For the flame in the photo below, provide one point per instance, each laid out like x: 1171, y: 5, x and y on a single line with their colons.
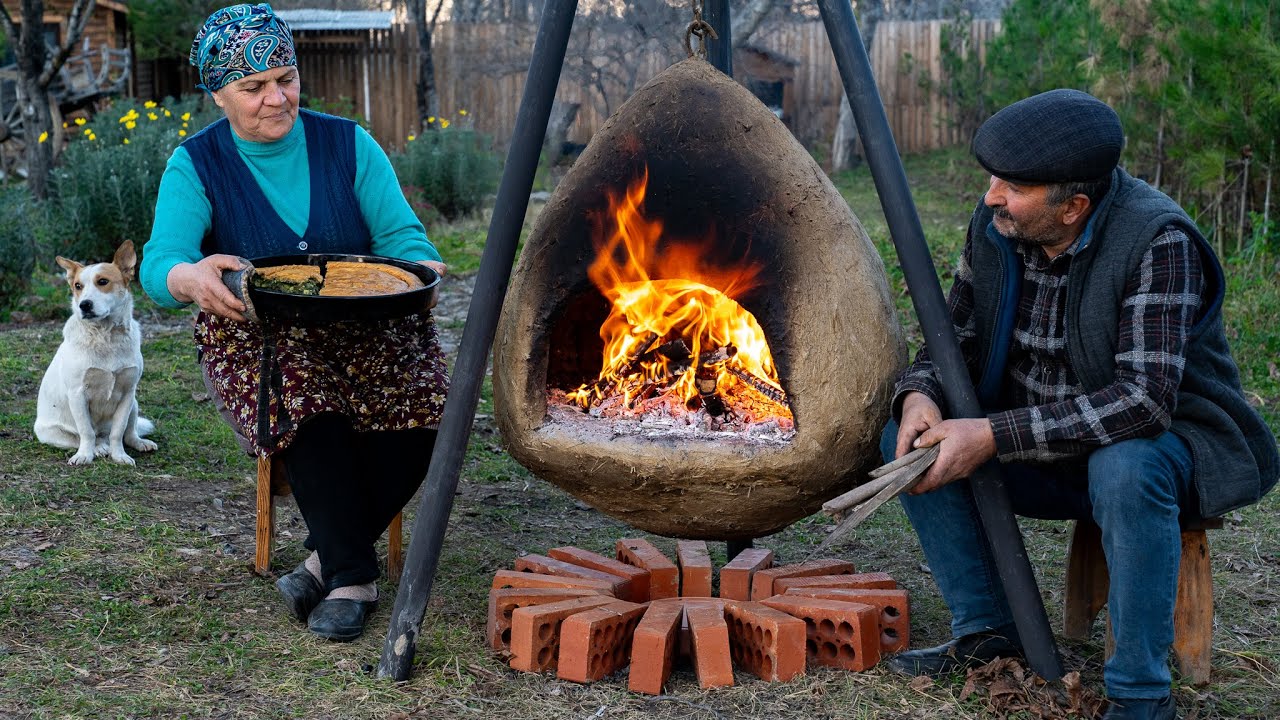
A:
x: 661, y: 296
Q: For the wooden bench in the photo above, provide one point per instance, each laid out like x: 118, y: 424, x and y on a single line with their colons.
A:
x: 273, y: 483
x: 1088, y: 582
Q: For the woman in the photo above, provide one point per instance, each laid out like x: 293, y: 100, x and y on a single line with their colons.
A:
x: 353, y: 408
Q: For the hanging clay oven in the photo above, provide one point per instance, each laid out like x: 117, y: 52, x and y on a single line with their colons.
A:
x: 717, y: 166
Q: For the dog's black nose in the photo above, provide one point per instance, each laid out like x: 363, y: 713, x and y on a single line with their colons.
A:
x: 86, y: 308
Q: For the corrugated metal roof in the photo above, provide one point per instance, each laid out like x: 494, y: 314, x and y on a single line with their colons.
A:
x: 337, y: 19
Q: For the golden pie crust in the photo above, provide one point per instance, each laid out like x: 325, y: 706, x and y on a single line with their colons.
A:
x: 355, y: 279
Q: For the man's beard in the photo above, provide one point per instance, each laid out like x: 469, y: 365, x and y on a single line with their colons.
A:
x: 1021, y: 233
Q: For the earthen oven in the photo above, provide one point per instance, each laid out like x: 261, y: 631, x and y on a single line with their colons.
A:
x: 767, y: 358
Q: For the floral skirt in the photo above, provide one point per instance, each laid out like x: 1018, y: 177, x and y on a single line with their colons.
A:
x: 384, y: 375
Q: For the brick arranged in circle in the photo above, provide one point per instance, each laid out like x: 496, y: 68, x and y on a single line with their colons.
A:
x: 587, y: 616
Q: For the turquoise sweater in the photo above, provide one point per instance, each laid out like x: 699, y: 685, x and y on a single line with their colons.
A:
x: 183, y: 212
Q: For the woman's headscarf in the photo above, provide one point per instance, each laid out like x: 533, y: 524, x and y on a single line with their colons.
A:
x: 238, y: 41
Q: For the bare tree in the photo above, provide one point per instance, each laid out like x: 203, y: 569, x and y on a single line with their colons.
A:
x: 428, y: 96
x: 36, y: 72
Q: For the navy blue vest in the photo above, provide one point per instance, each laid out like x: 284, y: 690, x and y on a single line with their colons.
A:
x: 245, y: 224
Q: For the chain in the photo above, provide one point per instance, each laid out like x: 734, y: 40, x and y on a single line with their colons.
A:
x: 699, y: 28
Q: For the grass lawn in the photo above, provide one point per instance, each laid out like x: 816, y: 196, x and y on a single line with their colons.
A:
x: 128, y: 592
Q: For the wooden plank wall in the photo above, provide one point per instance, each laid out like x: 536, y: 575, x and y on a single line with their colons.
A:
x: 481, y: 69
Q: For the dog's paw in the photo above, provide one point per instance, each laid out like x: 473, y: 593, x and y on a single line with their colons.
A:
x: 122, y: 457
x: 141, y: 445
x: 102, y: 450
x: 81, y: 458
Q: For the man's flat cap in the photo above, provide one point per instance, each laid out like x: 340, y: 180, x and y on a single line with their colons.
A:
x: 1054, y: 137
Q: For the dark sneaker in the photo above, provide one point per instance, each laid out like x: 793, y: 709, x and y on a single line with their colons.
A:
x: 1134, y: 709
x: 339, y: 619
x: 961, y: 653
x: 301, y: 592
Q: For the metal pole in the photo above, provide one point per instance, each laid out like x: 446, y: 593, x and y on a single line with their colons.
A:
x: 935, y: 320
x: 719, y: 51
x: 477, y: 337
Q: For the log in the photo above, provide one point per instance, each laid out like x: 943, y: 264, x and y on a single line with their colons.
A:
x: 759, y: 384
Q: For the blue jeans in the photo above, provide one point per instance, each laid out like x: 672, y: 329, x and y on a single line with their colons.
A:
x: 1134, y: 490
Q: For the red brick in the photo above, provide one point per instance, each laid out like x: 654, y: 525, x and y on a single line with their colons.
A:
x: 551, y: 566
x: 535, y: 631
x: 504, y: 601
x: 664, y: 577
x: 638, y: 578
x: 654, y: 647
x: 837, y: 634
x: 764, y: 641
x: 735, y: 577
x: 695, y: 568
x: 762, y: 581
x: 596, y: 643
x: 895, y: 611
x: 867, y: 581
x: 711, y: 659
x: 518, y: 579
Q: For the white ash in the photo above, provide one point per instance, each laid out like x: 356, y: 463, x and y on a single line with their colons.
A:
x: 666, y: 418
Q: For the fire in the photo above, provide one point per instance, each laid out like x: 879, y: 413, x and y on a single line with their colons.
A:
x: 670, y: 329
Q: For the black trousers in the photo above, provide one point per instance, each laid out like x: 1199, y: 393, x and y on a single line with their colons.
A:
x: 349, y: 485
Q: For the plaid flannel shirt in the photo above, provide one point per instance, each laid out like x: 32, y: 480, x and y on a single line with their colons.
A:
x: 1046, y: 413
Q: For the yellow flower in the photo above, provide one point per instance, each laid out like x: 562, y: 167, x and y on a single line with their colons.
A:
x: 167, y: 113
x: 152, y: 116
x: 149, y: 104
x: 64, y: 126
x: 462, y: 112
x: 412, y: 138
x: 80, y: 121
x: 184, y: 124
x: 431, y: 119
x: 182, y: 133
x: 129, y: 116
x: 44, y: 136
x: 186, y: 116
x: 126, y: 141
x: 130, y: 125
x: 93, y: 137
x: 443, y: 123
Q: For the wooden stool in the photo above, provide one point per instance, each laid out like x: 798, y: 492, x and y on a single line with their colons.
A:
x: 272, y: 483
x: 1088, y: 583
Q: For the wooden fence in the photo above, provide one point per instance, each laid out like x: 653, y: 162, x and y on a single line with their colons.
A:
x: 481, y: 69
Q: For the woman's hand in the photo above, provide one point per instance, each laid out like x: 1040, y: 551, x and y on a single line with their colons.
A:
x: 440, y: 269
x: 201, y: 283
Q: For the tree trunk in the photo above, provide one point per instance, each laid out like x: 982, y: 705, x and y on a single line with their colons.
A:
x: 747, y: 20
x: 36, y: 121
x: 562, y: 116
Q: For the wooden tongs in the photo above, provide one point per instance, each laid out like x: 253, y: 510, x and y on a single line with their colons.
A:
x: 887, y: 482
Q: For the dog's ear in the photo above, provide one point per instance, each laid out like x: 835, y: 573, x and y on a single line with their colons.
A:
x: 71, y: 266
x: 126, y: 259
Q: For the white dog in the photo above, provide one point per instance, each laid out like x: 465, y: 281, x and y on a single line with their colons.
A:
x: 87, y: 399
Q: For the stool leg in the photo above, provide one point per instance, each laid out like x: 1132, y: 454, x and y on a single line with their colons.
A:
x: 1087, y: 580
x: 265, y: 530
x: 1193, y: 610
x: 395, y: 557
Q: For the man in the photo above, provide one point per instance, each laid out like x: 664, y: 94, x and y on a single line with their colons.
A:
x: 1088, y: 308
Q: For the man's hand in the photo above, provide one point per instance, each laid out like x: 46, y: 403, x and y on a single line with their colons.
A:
x: 965, y: 445
x: 201, y: 283
x: 919, y: 413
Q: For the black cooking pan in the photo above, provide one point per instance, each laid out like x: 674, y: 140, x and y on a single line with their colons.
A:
x: 321, y: 309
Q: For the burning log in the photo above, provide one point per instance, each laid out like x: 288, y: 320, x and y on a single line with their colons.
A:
x: 760, y: 385
x: 587, y: 397
x: 705, y: 380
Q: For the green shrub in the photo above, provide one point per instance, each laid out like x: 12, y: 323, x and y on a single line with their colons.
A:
x: 17, y: 246
x: 107, y: 180
x: 453, y: 168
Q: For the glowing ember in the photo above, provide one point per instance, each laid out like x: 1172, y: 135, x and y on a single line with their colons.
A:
x: 671, y: 335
